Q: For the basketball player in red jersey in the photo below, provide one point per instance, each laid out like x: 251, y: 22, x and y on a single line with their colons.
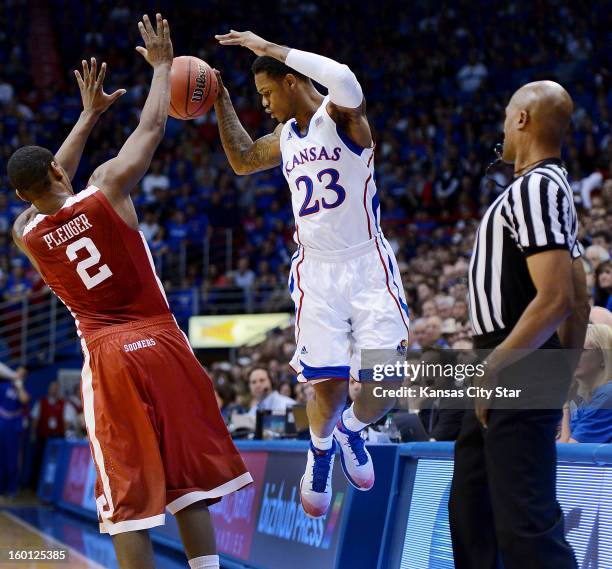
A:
x: 156, y: 435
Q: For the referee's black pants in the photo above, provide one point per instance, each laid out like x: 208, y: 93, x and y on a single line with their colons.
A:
x: 503, y: 505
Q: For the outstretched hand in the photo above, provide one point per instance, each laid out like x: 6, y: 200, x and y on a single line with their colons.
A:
x: 158, y: 45
x: 249, y: 40
x: 91, y: 85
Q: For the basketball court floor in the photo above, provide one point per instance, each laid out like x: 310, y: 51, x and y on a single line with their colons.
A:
x: 32, y: 528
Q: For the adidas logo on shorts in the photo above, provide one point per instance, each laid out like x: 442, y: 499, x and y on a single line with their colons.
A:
x: 304, y: 350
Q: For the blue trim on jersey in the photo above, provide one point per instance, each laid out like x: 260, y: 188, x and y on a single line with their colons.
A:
x: 367, y: 374
x: 291, y: 284
x: 375, y: 207
x: 352, y: 146
x: 399, y: 295
x: 325, y: 372
x: 297, y: 130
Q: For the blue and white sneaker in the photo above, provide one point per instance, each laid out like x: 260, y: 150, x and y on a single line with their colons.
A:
x: 354, y: 456
x: 315, y: 486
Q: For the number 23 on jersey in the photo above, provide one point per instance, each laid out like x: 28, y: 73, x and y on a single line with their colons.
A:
x: 329, y: 179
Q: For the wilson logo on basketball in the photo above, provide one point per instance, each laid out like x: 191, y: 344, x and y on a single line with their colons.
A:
x: 198, y: 92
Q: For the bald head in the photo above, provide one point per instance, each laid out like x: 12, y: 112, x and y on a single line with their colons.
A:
x: 540, y: 111
x: 549, y: 106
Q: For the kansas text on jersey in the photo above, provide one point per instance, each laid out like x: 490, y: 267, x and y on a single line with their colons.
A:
x: 333, y: 194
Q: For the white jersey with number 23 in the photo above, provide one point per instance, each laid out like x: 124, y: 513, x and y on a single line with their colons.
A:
x: 333, y: 194
x: 343, y: 279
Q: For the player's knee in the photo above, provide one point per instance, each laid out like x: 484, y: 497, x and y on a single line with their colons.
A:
x: 330, y: 402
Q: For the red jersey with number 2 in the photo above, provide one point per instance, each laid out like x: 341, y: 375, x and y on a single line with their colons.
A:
x: 99, y: 267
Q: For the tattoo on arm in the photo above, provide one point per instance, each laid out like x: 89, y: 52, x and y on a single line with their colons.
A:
x: 244, y: 155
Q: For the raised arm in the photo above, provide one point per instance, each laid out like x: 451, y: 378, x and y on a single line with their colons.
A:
x: 346, y: 102
x: 118, y: 177
x: 95, y: 102
x: 244, y: 155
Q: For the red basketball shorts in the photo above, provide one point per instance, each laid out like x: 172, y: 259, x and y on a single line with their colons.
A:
x: 155, y: 431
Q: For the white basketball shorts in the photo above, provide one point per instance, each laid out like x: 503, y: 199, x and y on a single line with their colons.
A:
x: 345, y: 301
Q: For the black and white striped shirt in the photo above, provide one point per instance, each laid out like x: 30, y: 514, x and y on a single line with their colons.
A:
x: 534, y: 213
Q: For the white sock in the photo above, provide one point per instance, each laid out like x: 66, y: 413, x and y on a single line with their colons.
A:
x: 351, y: 422
x: 205, y: 562
x: 321, y: 443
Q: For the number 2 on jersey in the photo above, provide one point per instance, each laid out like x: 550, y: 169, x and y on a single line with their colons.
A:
x: 103, y: 273
x: 332, y: 185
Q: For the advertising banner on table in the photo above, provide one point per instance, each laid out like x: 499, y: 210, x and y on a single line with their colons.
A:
x: 262, y: 525
x: 76, y: 476
x: 235, y: 516
x: 283, y: 531
x: 584, y: 492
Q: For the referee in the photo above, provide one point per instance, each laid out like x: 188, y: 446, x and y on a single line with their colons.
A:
x: 527, y: 291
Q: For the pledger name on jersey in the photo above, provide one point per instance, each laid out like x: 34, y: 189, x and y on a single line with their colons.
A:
x: 312, y: 154
x: 147, y: 343
x: 67, y: 231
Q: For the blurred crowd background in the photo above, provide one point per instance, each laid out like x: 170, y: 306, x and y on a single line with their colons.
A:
x: 437, y: 76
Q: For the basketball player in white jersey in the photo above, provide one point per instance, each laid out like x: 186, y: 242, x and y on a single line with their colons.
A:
x: 344, y: 279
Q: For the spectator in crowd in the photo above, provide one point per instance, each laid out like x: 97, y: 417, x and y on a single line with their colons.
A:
x: 263, y: 395
x: 434, y: 333
x: 444, y: 305
x: 244, y: 278
x: 429, y: 308
x: 595, y: 255
x: 155, y: 179
x: 472, y: 74
x: 17, y: 285
x: 50, y: 415
x: 285, y: 388
x: 304, y: 392
x: 449, y: 330
x: 75, y: 419
x: 149, y: 225
x: 460, y: 311
x: 419, y: 334
x: 602, y: 295
x: 13, y: 404
x: 178, y: 231
x: 588, y: 418
x: 228, y: 401
x: 602, y: 239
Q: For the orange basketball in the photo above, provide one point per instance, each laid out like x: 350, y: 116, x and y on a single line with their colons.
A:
x: 193, y: 88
